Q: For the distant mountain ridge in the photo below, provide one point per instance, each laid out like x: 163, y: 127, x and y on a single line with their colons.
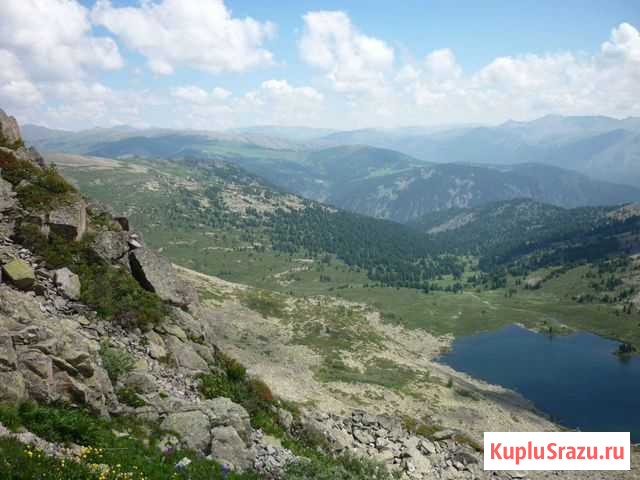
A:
x: 471, y: 165
x: 601, y: 147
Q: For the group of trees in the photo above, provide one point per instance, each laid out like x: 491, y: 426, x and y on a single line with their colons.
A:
x: 391, y: 254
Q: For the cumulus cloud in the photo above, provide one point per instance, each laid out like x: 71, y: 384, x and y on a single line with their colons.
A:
x: 196, y: 33
x: 624, y: 43
x: 278, y: 102
x: 50, y: 66
x: 530, y: 85
x: 45, y: 45
x: 16, y: 89
x: 52, y: 38
x: 197, y: 95
x: 351, y: 60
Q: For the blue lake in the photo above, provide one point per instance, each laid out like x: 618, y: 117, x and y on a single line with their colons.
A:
x: 575, y: 379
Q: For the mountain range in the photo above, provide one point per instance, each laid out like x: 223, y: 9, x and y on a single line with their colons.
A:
x: 402, y: 174
x: 597, y: 146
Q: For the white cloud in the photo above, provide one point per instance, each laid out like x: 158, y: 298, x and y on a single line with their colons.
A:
x: 197, y: 95
x: 361, y: 87
x: 442, y: 65
x: 16, y: 89
x: 220, y: 93
x: 196, y: 33
x: 351, y: 60
x: 624, y: 43
x: 47, y: 47
x: 282, y: 89
x: 52, y: 39
x: 529, y: 85
x: 191, y: 94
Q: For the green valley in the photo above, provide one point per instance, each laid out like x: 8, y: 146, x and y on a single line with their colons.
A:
x: 223, y: 221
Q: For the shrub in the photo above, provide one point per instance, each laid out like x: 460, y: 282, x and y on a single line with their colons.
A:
x: 59, y: 425
x: 47, y: 189
x: 134, y: 456
x: 130, y: 397
x: 110, y: 290
x: 232, y: 382
x: 265, y: 303
x: 116, y: 362
x: 234, y: 369
x: 116, y: 295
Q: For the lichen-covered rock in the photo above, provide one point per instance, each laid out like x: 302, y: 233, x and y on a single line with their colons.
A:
x: 19, y: 273
x: 69, y: 221
x: 155, y: 346
x: 12, y: 387
x: 156, y: 274
x: 49, y: 361
x: 219, y: 427
x: 229, y: 449
x: 111, y: 246
x: 183, y: 356
x: 193, y: 428
x: 224, y: 412
x: 68, y: 283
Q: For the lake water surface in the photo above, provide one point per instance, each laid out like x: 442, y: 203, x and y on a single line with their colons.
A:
x: 575, y: 379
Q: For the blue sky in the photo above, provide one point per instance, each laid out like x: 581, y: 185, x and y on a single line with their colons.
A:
x: 202, y: 64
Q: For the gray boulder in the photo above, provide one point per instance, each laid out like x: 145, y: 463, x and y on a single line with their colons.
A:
x: 19, y: 273
x: 184, y: 356
x: 192, y: 427
x: 229, y: 449
x: 69, y: 221
x: 111, y: 246
x: 156, y: 274
x: 197, y: 424
x: 224, y: 412
x: 68, y: 283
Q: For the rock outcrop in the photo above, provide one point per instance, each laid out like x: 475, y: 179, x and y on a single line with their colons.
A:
x: 69, y: 221
x: 156, y: 274
x: 9, y: 130
x: 111, y: 246
x: 49, y: 358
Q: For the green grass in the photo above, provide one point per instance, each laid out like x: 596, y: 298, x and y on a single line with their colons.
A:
x: 265, y: 303
x: 380, y: 371
x: 45, y: 189
x: 133, y: 456
x: 110, y: 290
x: 117, y: 363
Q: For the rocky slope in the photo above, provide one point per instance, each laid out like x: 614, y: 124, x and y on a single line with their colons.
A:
x: 68, y: 266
